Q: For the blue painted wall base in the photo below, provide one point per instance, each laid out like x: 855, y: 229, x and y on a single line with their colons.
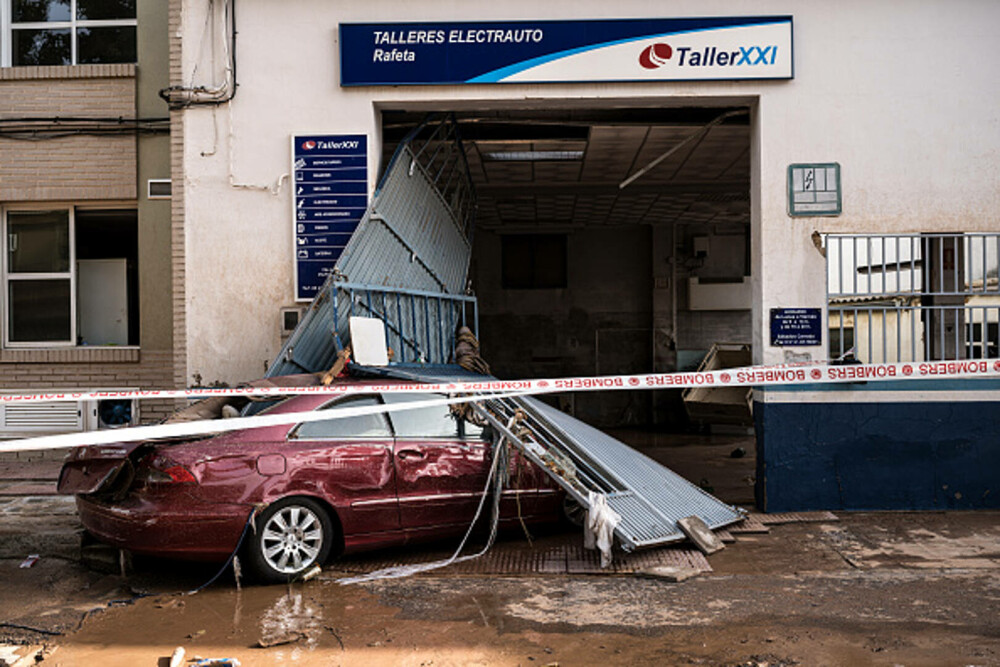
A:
x: 877, y: 456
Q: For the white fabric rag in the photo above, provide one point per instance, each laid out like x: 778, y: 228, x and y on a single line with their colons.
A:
x: 599, y: 529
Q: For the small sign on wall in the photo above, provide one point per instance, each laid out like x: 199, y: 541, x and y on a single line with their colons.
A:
x: 814, y: 189
x: 796, y: 327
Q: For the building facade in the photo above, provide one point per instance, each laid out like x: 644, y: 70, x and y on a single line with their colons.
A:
x: 648, y: 186
x: 86, y: 261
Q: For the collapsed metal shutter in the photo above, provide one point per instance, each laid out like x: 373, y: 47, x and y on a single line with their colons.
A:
x: 406, y: 262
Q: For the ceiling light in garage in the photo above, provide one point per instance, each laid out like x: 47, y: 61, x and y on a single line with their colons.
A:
x: 534, y: 156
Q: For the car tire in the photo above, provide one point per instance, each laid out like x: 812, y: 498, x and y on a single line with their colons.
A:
x: 292, y: 535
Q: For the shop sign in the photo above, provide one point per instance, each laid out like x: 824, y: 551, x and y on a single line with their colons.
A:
x: 679, y: 49
x: 331, y: 195
x: 796, y: 327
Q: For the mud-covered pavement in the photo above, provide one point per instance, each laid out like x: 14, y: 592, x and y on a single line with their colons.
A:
x: 880, y: 589
x: 867, y: 589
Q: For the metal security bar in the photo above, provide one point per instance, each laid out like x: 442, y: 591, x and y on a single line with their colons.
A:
x: 913, y: 297
x: 420, y: 326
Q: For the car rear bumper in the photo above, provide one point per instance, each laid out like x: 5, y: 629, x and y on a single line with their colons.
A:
x: 175, y: 527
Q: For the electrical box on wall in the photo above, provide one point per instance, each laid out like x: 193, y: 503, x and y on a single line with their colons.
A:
x: 290, y: 318
x: 700, y: 246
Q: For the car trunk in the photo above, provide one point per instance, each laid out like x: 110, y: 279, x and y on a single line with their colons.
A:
x: 100, y: 469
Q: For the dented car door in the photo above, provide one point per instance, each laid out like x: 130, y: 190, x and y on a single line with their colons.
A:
x: 352, y: 458
x: 439, y: 474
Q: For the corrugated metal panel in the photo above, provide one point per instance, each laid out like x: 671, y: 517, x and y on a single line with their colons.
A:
x: 411, y: 238
x: 670, y: 496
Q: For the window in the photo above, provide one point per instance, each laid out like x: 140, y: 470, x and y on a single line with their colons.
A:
x: 533, y: 261
x: 70, y: 277
x: 67, y: 32
x: 358, y: 426
x: 913, y: 297
x: 431, y: 422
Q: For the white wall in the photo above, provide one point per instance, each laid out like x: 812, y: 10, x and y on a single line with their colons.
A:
x: 901, y: 94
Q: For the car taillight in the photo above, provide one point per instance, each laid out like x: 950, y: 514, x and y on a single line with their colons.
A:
x: 158, y: 469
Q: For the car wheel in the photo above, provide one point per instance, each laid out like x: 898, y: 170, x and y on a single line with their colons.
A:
x: 292, y: 535
x: 574, y: 512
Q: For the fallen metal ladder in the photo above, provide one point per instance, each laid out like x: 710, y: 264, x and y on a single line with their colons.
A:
x: 649, y: 497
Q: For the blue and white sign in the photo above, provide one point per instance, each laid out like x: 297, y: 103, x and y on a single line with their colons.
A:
x: 717, y: 48
x: 331, y: 195
x: 796, y: 327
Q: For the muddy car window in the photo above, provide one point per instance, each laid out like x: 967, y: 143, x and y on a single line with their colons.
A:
x: 432, y: 422
x: 358, y: 426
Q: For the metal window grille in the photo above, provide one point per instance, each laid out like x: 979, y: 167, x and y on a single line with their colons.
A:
x: 913, y: 297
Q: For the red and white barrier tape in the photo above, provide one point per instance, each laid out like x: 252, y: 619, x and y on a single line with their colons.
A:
x: 755, y: 376
x: 788, y: 374
x: 215, y: 426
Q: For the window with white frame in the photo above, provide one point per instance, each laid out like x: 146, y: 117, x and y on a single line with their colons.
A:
x: 67, y: 32
x: 70, y: 277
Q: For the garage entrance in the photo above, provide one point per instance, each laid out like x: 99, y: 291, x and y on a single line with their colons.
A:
x: 607, y: 241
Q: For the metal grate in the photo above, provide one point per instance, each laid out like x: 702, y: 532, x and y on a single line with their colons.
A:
x: 55, y: 417
x: 913, y: 297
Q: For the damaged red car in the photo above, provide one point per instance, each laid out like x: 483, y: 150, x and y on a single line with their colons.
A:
x: 319, y: 488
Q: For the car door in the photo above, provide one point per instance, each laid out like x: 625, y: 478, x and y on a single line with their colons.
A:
x: 350, y: 461
x: 439, y: 475
x: 528, y: 491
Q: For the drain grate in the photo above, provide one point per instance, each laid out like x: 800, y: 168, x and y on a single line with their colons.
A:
x: 519, y: 558
x: 794, y: 517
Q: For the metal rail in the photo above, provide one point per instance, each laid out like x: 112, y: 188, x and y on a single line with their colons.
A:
x: 913, y: 297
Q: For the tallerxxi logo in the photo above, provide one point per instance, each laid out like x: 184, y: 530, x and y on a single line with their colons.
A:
x: 308, y: 145
x: 655, y: 55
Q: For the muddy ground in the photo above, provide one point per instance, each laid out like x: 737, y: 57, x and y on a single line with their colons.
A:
x: 868, y: 589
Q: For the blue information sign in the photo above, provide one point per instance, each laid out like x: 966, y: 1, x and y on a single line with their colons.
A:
x: 655, y: 49
x: 331, y: 195
x: 796, y: 327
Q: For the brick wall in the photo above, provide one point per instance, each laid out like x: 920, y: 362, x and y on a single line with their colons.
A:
x: 151, y: 370
x: 76, y: 169
x: 70, y: 168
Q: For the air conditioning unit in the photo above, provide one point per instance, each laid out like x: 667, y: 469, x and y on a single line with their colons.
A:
x: 105, y: 413
x: 22, y: 420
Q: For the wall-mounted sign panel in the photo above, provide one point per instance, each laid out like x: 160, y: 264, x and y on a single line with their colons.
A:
x: 814, y: 189
x: 681, y: 49
x: 331, y: 195
x: 796, y: 327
